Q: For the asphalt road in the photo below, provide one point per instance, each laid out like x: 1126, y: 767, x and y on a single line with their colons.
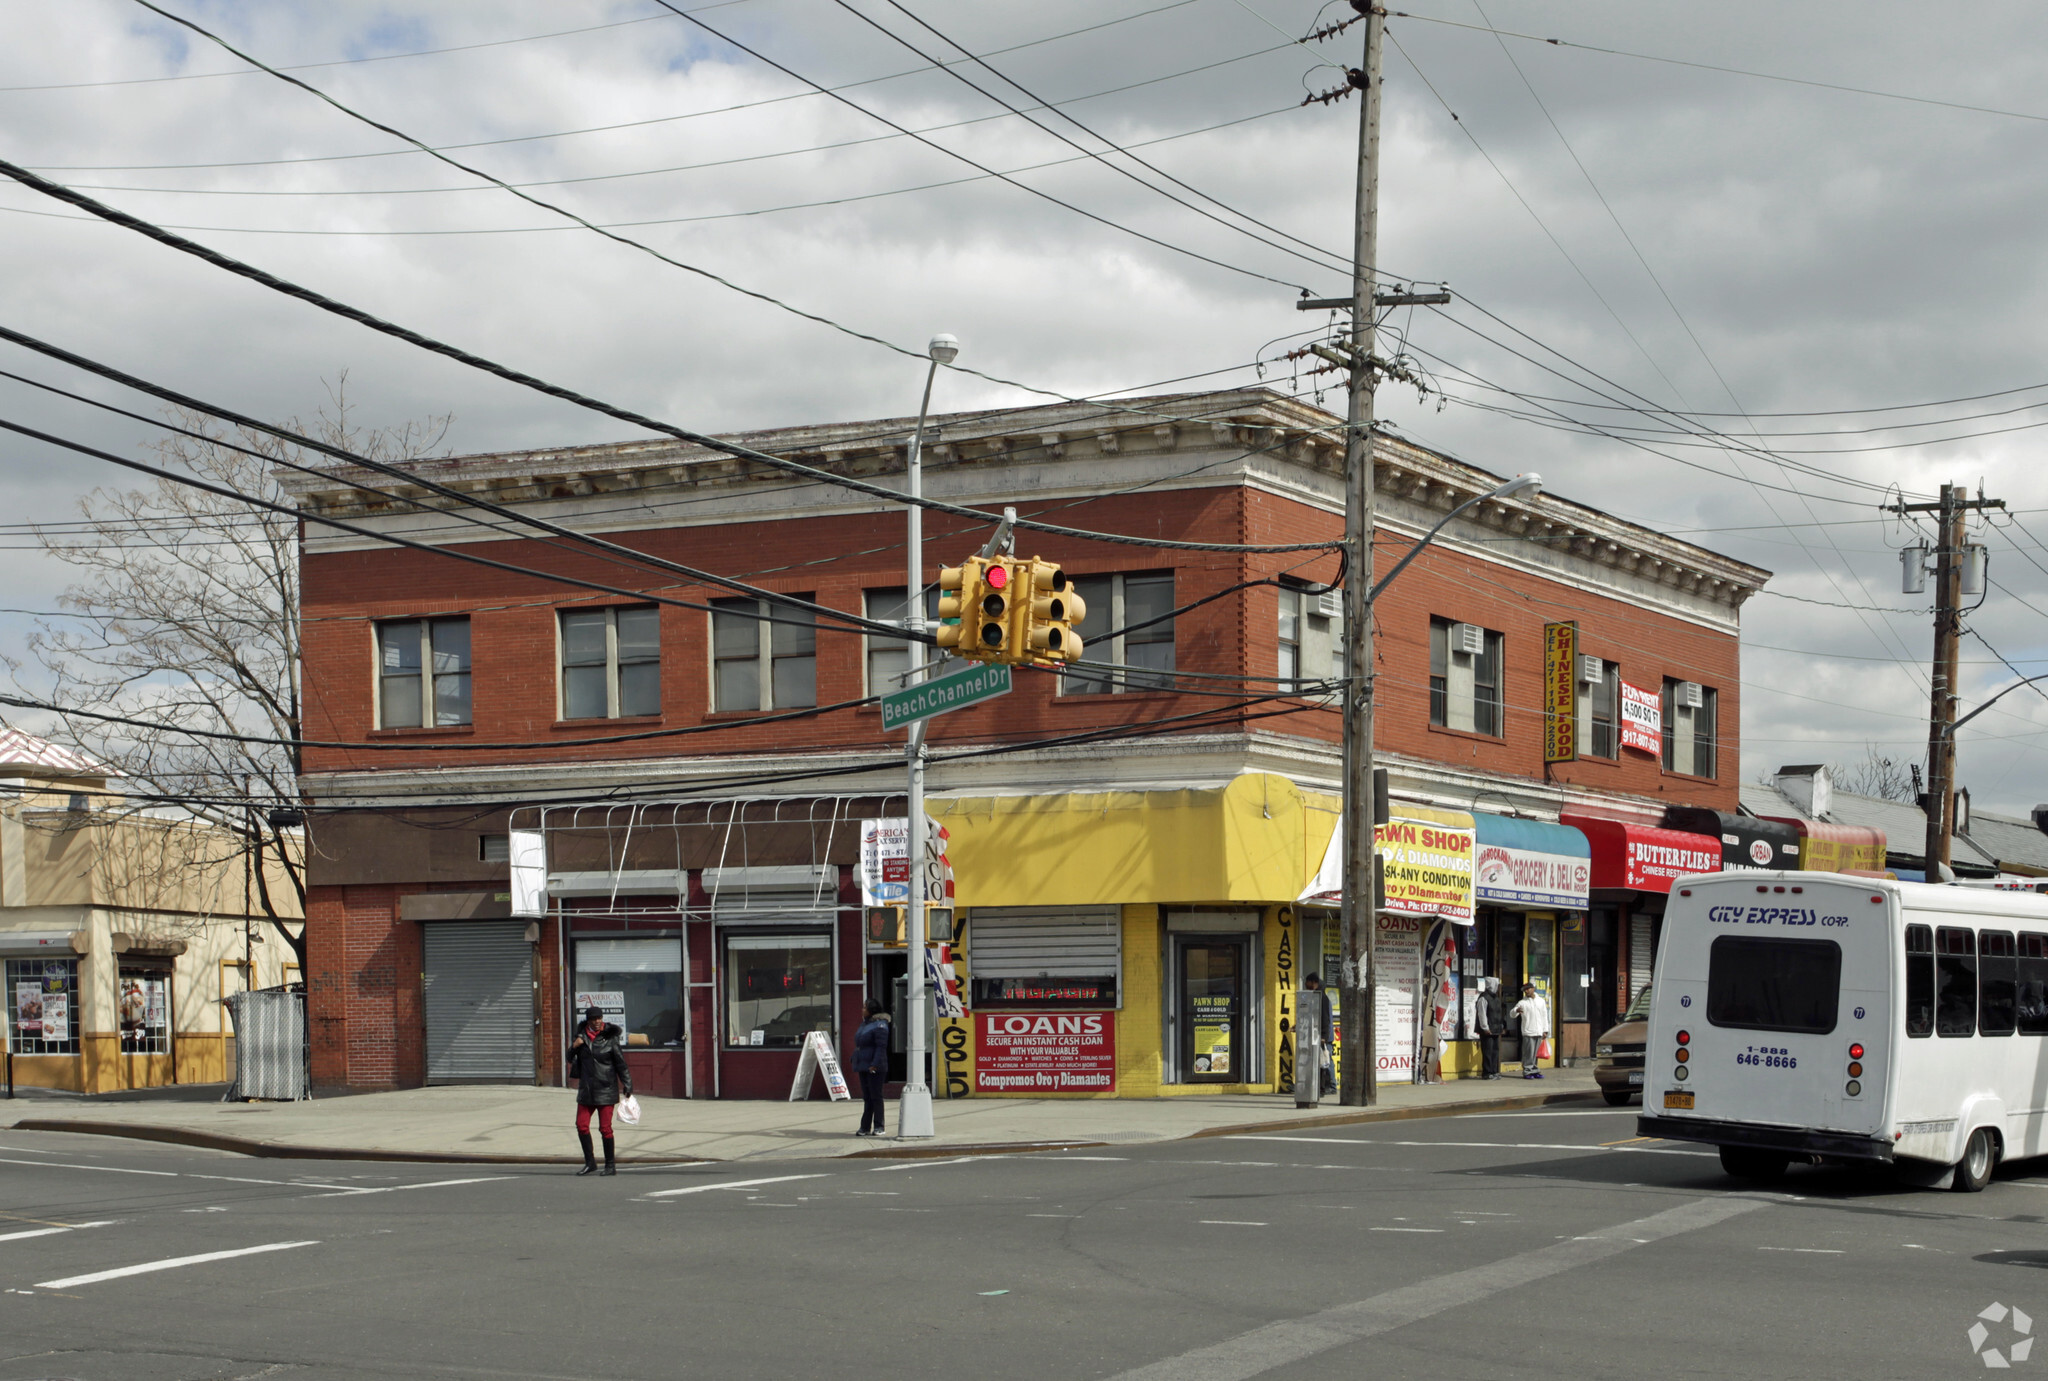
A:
x: 1537, y: 1244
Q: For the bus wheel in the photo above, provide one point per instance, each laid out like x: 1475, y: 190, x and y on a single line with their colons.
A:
x: 1973, y: 1172
x: 1748, y: 1163
x: 1616, y: 1097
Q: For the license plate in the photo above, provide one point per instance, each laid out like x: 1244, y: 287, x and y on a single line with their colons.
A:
x: 1636, y: 1078
x: 1678, y: 1100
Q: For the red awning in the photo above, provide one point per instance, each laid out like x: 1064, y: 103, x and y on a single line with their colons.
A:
x: 1640, y: 858
x: 1830, y: 848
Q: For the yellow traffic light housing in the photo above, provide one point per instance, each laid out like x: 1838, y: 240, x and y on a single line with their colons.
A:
x: 1054, y: 610
x: 959, y: 591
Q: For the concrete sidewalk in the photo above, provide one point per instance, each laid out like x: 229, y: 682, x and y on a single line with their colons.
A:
x: 502, y: 1123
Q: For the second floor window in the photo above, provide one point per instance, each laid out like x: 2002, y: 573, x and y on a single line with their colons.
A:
x: 1465, y: 677
x: 1600, y: 709
x: 1144, y: 654
x: 611, y: 663
x: 887, y: 661
x: 764, y: 655
x: 1290, y: 638
x: 1691, y: 712
x: 423, y: 673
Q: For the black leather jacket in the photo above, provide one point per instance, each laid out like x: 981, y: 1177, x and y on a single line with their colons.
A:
x: 599, y: 1067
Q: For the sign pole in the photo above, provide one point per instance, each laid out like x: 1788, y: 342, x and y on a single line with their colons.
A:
x: 914, y: 1107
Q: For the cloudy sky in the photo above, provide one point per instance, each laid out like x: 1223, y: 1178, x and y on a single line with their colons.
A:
x: 1840, y: 289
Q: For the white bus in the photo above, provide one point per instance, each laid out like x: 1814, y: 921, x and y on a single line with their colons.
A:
x: 1822, y: 1016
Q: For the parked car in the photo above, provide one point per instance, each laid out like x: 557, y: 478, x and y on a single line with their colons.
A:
x: 1618, y: 1054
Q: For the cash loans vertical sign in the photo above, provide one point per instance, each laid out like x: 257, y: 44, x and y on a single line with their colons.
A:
x: 1560, y: 692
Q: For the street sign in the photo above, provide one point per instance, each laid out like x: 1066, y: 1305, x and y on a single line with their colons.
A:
x: 955, y: 692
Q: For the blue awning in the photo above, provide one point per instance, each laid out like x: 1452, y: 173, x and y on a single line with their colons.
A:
x: 1530, y: 863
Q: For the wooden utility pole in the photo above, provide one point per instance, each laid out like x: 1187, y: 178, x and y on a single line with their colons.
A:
x: 1954, y: 553
x: 1359, y: 977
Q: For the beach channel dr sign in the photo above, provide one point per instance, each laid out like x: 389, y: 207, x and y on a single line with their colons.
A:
x: 955, y: 692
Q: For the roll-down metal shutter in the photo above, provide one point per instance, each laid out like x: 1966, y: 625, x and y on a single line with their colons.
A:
x: 1639, y: 955
x: 1045, y: 942
x: 478, y: 980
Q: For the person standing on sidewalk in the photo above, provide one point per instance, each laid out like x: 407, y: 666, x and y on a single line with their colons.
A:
x: 597, y: 1061
x: 1535, y: 1015
x: 1491, y: 1022
x: 871, y: 1063
x: 1326, y: 1062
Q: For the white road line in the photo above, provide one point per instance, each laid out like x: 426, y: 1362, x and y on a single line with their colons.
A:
x: 1405, y: 1229
x: 1292, y: 1340
x: 170, y: 1174
x: 52, y: 1232
x: 728, y: 1184
x: 173, y: 1263
x: 110, y: 1169
x: 1231, y: 1223
x: 1474, y: 1145
x: 1811, y: 1251
x: 348, y: 1190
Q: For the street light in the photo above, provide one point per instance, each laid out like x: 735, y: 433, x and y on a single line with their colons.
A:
x: 1359, y: 990
x: 914, y: 1108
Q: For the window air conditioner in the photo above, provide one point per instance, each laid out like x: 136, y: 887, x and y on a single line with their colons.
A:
x: 1591, y: 671
x: 1468, y: 638
x: 1330, y: 604
x: 1690, y: 695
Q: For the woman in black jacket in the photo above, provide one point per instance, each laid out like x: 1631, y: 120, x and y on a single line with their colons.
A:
x: 597, y: 1061
x: 871, y: 1062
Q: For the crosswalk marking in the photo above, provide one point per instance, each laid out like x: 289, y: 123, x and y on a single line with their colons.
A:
x: 52, y: 1232
x: 171, y: 1264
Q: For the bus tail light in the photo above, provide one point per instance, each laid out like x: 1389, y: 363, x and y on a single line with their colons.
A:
x: 1685, y: 1038
x: 1855, y: 1069
x: 1684, y: 1055
x: 1856, y: 1052
x: 1854, y: 1087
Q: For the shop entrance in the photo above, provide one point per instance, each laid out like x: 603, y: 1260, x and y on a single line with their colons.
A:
x: 888, y: 980
x: 1214, y: 977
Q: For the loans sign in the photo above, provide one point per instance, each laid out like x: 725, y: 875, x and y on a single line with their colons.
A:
x: 1045, y: 1052
x: 1560, y: 692
x: 1428, y: 868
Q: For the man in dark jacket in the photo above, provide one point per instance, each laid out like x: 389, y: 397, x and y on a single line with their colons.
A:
x: 871, y: 1062
x: 1491, y: 1021
x: 1326, y: 1053
x: 597, y: 1062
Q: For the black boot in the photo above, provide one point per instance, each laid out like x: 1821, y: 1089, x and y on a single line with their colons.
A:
x: 589, y: 1160
x: 610, y: 1165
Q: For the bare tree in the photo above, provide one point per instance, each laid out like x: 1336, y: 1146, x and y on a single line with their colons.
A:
x: 1888, y: 779
x: 186, y: 617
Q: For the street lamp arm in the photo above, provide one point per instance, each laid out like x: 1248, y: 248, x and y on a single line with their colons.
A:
x: 1520, y: 484
x: 1948, y: 730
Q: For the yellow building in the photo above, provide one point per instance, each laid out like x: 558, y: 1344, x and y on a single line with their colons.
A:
x: 121, y: 930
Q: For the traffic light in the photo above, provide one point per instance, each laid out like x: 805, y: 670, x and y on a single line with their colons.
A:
x: 1054, y: 610
x: 978, y: 619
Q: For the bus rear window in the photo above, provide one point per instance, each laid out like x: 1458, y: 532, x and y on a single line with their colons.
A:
x: 1919, y: 980
x: 1763, y: 984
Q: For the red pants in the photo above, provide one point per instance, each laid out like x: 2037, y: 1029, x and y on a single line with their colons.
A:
x: 604, y: 1120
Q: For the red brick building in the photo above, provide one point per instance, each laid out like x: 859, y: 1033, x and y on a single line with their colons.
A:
x: 471, y: 697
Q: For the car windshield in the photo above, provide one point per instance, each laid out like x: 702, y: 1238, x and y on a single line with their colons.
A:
x: 1639, y: 1010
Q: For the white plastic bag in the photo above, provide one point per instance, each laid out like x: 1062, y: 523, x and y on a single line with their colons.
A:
x: 629, y: 1110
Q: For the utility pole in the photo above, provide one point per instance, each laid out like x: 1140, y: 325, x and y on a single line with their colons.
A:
x: 1953, y: 558
x: 1358, y: 1084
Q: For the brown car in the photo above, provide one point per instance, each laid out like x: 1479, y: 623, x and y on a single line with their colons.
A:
x: 1618, y: 1054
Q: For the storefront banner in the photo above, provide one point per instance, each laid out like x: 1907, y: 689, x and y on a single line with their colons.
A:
x: 1653, y: 865
x: 1397, y: 953
x: 1428, y: 867
x: 885, y: 862
x: 1642, y: 720
x: 1560, y: 692
x: 1046, y: 1052
x: 1523, y: 877
x: 528, y: 853
x: 28, y: 1009
x: 1440, y: 1007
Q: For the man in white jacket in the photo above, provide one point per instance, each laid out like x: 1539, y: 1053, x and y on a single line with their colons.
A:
x: 1535, y: 1016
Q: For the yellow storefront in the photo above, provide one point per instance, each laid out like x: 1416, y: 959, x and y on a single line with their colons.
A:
x: 1130, y: 944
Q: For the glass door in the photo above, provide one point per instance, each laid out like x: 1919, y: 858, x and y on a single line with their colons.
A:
x: 1212, y: 1011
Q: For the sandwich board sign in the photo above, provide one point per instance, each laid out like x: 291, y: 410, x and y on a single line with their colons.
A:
x: 818, y: 1057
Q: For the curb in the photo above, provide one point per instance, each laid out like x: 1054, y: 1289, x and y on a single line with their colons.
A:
x: 1352, y: 1119
x: 271, y: 1150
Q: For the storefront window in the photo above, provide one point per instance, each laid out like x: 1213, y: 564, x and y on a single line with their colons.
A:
x: 1542, y: 963
x: 648, y: 1005
x: 778, y: 989
x: 143, y: 1010
x: 1571, y: 971
x: 42, y: 1006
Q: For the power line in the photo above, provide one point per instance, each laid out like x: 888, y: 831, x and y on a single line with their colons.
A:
x: 411, y: 337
